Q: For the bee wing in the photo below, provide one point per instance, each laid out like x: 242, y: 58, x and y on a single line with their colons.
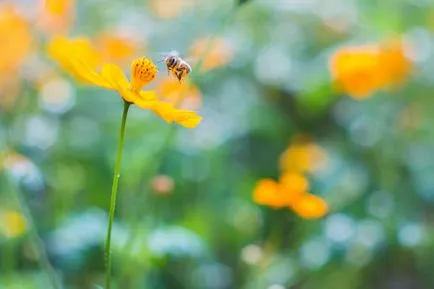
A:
x: 187, y: 64
x: 160, y: 56
x: 191, y: 61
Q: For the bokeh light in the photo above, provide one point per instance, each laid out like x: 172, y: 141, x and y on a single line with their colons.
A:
x: 296, y: 153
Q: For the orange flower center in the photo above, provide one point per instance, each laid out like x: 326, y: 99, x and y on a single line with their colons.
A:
x: 143, y: 71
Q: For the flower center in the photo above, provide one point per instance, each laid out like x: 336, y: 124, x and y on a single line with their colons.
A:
x: 143, y: 71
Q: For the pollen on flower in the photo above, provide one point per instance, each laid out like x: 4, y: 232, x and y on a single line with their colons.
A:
x: 143, y: 71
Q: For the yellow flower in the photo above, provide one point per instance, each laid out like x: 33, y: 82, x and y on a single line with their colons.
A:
x: 356, y: 70
x: 267, y: 193
x: 16, y: 39
x: 79, y: 59
x: 15, y: 36
x: 302, y: 156
x: 12, y: 224
x: 361, y: 70
x: 290, y: 191
x: 394, y: 64
x: 309, y: 206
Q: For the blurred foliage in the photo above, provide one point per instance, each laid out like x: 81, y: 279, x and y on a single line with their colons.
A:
x: 354, y: 76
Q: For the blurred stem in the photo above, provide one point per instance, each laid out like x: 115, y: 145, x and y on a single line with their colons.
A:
x: 36, y: 242
x: 114, y: 192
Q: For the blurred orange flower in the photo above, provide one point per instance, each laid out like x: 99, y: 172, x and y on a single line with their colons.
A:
x: 12, y: 224
x: 115, y: 48
x: 361, y: 70
x: 395, y: 64
x: 303, y: 157
x: 185, y: 94
x: 15, y: 38
x: 57, y: 16
x: 267, y: 192
x: 355, y: 70
x: 214, y: 52
x: 290, y: 191
x: 168, y: 9
x: 79, y: 59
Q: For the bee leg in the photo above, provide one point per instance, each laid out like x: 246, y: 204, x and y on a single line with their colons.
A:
x: 178, y: 75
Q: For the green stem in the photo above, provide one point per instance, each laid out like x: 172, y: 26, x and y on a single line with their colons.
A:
x: 114, y: 192
x: 151, y: 167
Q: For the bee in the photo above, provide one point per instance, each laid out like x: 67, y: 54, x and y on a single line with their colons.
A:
x: 176, y: 65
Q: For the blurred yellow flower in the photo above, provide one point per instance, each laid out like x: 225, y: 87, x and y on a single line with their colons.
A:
x: 15, y: 39
x: 186, y: 94
x: 57, y: 16
x: 395, y: 65
x: 79, y: 59
x: 115, y: 48
x: 170, y: 8
x: 361, y: 70
x: 309, y: 206
x: 267, y: 193
x: 290, y: 191
x: 16, y: 43
x: 12, y: 224
x: 303, y: 156
x: 355, y: 70
x: 214, y: 52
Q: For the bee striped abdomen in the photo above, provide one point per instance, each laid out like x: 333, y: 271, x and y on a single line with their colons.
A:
x: 177, y: 66
x: 172, y: 62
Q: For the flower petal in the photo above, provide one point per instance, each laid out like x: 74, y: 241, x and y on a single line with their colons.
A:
x: 309, y: 206
x: 267, y: 193
x: 163, y: 110
x: 186, y: 118
x: 293, y: 185
x: 148, y: 95
x: 115, y: 76
x: 84, y: 73
x: 78, y: 58
x: 146, y: 100
x: 166, y: 111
